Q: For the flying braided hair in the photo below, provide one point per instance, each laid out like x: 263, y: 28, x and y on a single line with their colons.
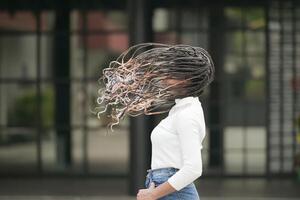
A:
x: 134, y: 83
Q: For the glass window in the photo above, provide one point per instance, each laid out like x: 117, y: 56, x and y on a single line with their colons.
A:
x: 17, y: 21
x: 16, y: 61
x: 18, y: 128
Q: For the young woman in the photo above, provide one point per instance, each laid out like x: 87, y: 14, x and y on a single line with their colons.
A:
x: 154, y: 78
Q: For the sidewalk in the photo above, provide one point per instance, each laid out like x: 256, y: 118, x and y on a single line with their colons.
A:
x: 116, y: 189
x: 127, y: 198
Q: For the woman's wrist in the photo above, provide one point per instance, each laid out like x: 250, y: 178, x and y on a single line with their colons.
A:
x: 154, y: 193
x: 162, y: 190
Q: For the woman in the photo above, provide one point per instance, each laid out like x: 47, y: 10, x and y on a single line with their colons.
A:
x: 155, y: 78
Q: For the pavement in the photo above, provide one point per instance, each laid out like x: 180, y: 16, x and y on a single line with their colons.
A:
x: 117, y: 189
x: 126, y: 198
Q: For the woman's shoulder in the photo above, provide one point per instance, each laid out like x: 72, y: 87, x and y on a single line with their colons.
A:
x: 191, y: 108
x: 193, y: 114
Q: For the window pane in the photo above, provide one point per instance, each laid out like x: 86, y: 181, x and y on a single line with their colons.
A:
x: 199, y: 17
x: 234, y: 41
x: 17, y: 61
x: 160, y: 20
x: 233, y: 17
x: 233, y: 138
x: 47, y: 19
x: 256, y: 162
x: 101, y: 50
x: 166, y: 37
x: 255, y: 18
x: 100, y: 20
x: 194, y: 38
x: 46, y: 59
x: 234, y: 162
x: 256, y: 138
x: 108, y: 151
x: 49, y: 147
x: 255, y: 42
x: 18, y: 132
x: 17, y: 21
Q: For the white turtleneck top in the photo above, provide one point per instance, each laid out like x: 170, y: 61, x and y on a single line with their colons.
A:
x: 177, y: 141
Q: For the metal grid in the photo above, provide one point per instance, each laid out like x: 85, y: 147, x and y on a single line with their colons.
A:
x: 283, y: 94
x: 38, y: 81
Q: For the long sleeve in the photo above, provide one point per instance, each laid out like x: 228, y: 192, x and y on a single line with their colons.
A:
x: 191, y: 131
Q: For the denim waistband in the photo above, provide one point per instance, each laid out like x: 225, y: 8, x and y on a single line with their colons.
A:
x: 165, y: 169
x: 159, y: 174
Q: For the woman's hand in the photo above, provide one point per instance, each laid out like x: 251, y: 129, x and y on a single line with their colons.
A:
x: 146, y: 194
x: 153, y: 193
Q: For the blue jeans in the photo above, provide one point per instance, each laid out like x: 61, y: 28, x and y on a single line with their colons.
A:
x: 159, y: 176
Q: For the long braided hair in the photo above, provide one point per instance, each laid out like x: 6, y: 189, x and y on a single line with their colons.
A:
x: 134, y: 83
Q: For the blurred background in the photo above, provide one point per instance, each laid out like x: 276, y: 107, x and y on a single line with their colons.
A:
x: 51, y: 57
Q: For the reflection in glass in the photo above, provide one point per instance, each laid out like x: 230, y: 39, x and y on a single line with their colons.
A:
x: 16, y: 60
x: 18, y: 133
x: 17, y: 21
x: 108, y: 152
x: 100, y: 20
